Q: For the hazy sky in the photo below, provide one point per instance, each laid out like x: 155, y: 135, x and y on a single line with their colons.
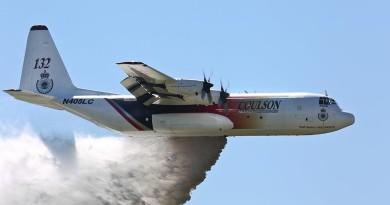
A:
x: 265, y: 46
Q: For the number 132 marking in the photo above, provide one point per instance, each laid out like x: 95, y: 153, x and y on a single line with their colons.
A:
x: 42, y: 63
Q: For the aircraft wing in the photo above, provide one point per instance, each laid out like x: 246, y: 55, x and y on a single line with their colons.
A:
x: 147, y: 84
x: 147, y: 73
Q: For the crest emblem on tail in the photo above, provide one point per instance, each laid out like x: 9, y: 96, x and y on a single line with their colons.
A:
x: 45, y: 84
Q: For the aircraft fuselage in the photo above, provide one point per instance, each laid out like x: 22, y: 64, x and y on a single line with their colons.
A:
x: 246, y: 114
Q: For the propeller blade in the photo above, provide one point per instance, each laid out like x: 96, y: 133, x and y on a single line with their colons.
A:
x: 209, y: 97
x: 203, y: 94
x: 211, y: 73
x: 227, y: 87
x: 206, y: 88
x: 223, y: 95
x: 226, y: 108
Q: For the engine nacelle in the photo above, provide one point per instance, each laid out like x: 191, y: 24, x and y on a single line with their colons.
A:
x: 190, y: 122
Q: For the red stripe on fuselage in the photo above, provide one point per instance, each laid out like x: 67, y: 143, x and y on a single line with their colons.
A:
x: 124, y: 115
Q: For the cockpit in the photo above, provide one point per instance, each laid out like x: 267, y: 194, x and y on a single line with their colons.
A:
x: 327, y: 101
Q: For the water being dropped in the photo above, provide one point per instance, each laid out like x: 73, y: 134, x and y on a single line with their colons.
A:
x: 107, y: 170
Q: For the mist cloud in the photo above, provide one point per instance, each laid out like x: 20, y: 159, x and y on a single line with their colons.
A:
x: 58, y: 169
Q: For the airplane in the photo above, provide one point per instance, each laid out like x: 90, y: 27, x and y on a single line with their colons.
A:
x: 160, y: 105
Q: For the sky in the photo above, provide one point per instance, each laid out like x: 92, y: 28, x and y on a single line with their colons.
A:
x: 259, y: 46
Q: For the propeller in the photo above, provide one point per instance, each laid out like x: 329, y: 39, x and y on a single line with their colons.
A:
x: 206, y: 88
x: 223, y: 95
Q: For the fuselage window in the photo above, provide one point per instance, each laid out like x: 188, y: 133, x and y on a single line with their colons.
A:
x: 321, y: 100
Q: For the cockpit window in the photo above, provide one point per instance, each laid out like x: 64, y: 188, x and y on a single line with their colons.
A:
x: 327, y: 101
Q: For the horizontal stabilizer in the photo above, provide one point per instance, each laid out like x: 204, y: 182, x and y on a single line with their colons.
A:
x: 35, y: 98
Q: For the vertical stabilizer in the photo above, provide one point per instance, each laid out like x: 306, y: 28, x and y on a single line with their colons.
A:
x: 43, y: 70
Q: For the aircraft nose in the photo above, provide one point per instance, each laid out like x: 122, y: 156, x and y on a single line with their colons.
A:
x: 348, y: 118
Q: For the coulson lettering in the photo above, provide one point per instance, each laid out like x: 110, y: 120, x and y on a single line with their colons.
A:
x: 259, y: 105
x: 78, y: 101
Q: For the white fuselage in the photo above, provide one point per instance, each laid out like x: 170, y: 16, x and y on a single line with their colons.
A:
x: 247, y: 114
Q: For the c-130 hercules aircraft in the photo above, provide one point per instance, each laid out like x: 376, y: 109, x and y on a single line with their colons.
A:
x: 163, y: 106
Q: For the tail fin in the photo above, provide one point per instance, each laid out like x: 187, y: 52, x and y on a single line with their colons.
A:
x: 43, y: 69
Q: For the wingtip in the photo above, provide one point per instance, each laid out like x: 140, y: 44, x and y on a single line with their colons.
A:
x: 38, y: 27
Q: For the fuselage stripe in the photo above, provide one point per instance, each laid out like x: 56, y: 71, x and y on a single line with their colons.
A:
x: 124, y: 115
